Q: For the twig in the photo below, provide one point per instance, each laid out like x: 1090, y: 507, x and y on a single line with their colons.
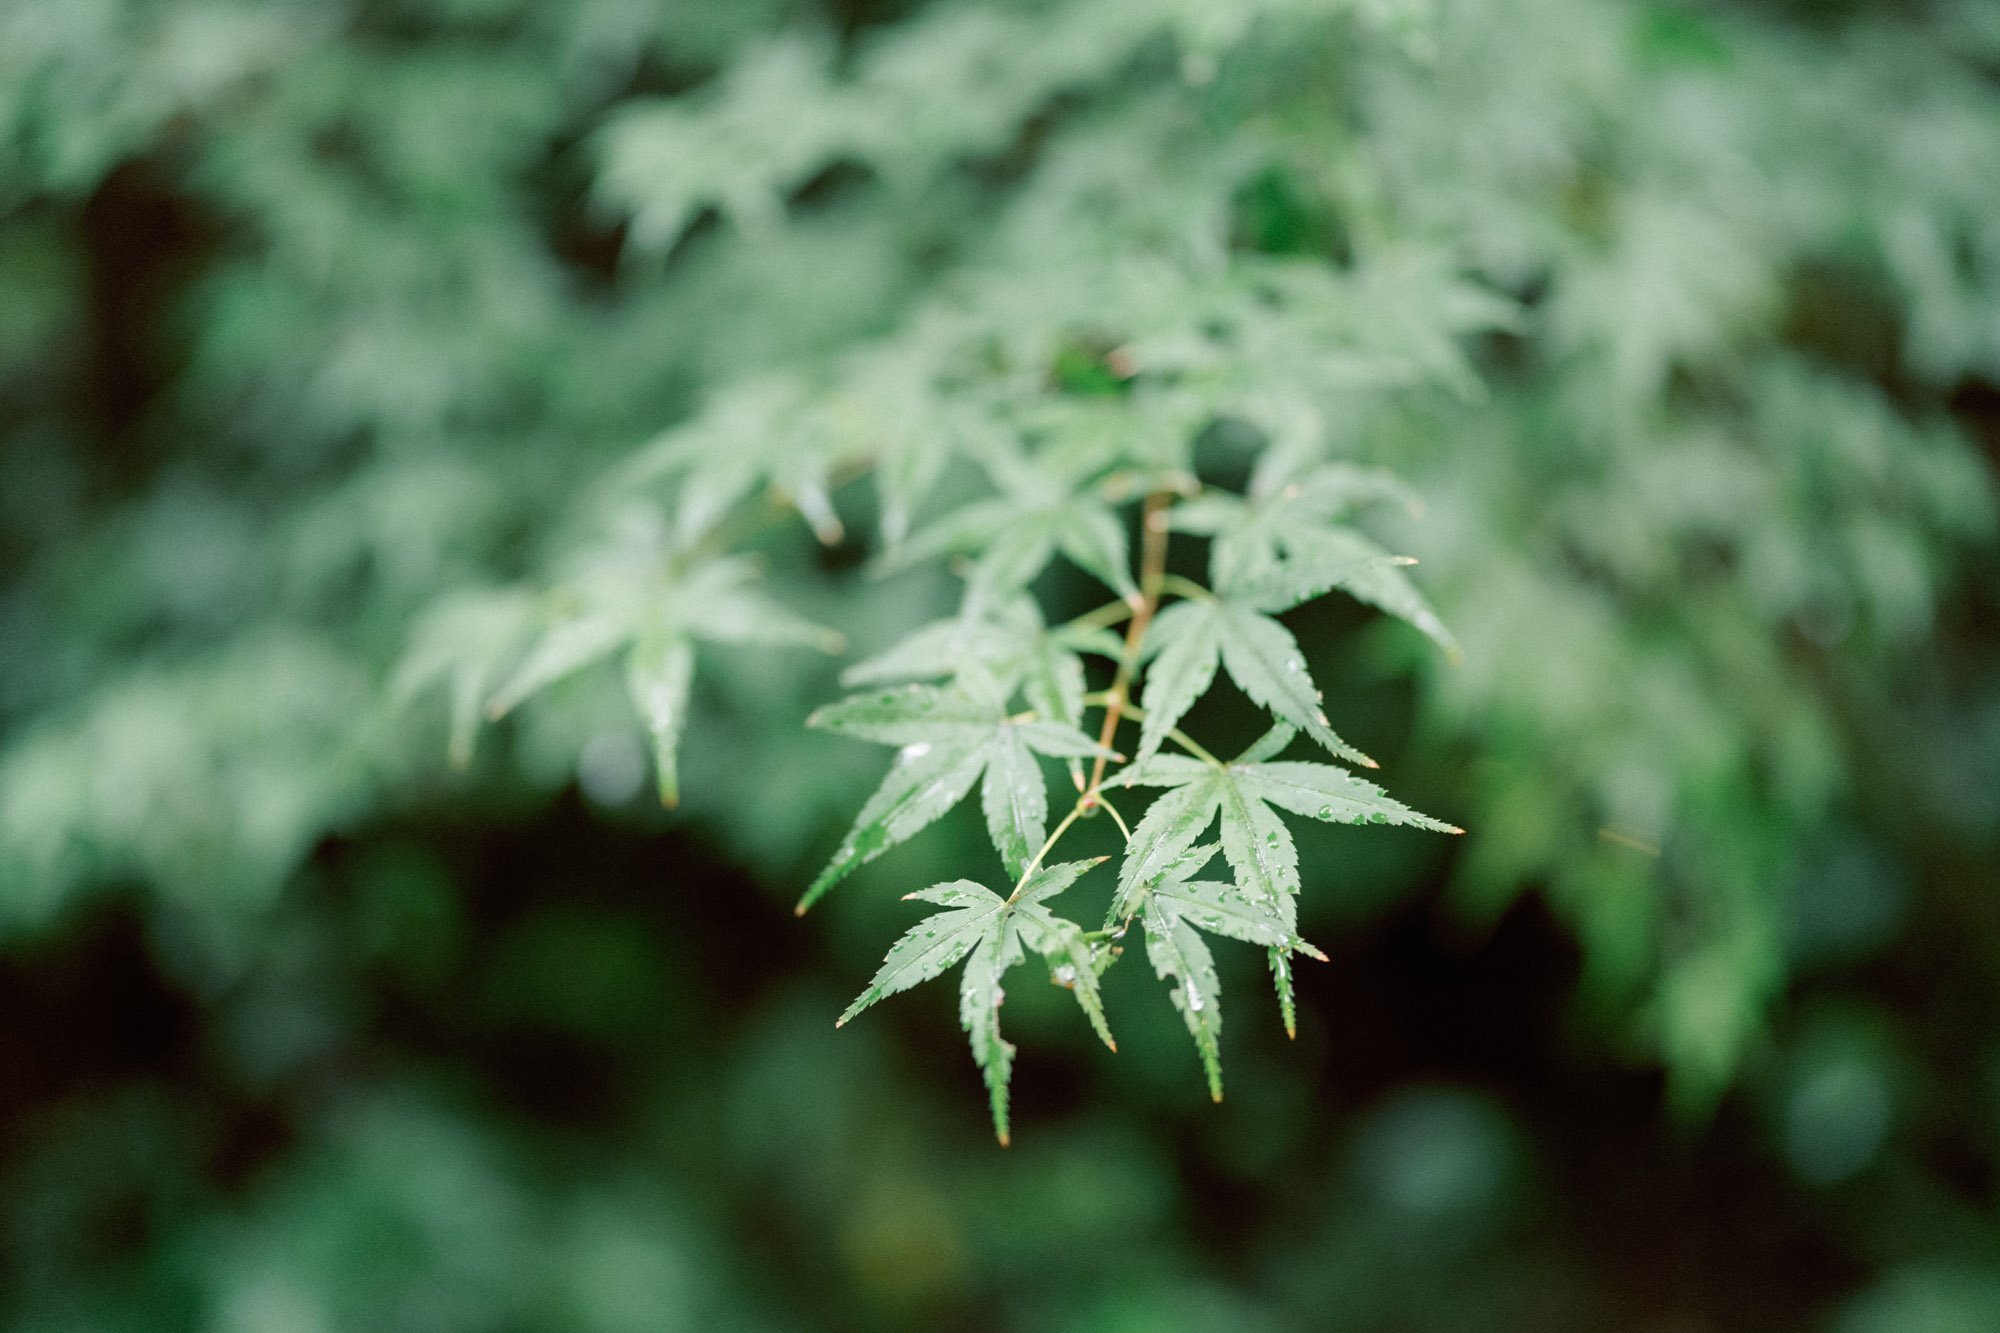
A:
x: 1152, y: 571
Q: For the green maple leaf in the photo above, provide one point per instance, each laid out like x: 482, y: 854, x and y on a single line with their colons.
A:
x: 1243, y: 793
x: 949, y: 738
x: 638, y: 602
x: 1039, y: 512
x: 1293, y: 514
x: 1011, y: 645
x: 1259, y: 905
x: 990, y: 934
x: 756, y: 437
x: 1235, y: 629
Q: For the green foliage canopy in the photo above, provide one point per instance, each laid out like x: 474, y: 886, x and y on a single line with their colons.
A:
x: 1067, y: 247
x: 572, y: 363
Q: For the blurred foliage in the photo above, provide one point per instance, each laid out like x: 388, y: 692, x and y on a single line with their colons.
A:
x: 346, y: 350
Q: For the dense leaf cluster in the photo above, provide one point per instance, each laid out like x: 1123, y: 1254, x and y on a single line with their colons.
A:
x: 967, y: 732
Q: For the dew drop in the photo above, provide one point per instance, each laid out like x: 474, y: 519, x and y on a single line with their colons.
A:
x: 1326, y: 812
x: 914, y: 750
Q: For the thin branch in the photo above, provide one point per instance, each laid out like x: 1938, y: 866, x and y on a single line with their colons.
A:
x: 1152, y: 572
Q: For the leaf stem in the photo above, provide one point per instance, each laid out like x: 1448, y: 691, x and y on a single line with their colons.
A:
x: 1104, y: 617
x: 1076, y: 812
x: 1177, y: 736
x: 1116, y: 818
